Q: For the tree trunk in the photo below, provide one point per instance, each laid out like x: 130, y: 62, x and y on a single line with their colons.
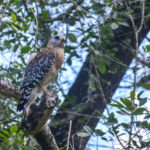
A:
x: 79, y: 89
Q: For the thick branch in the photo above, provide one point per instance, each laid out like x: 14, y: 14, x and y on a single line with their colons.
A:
x: 46, y: 139
x: 36, y: 122
x: 41, y: 113
x: 9, y: 90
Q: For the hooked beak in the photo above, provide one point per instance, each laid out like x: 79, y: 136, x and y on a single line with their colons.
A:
x: 63, y: 39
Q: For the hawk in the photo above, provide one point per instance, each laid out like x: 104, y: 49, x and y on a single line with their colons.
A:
x: 41, y: 70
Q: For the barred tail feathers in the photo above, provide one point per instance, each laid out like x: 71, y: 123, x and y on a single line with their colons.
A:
x: 20, y: 106
x: 25, y: 96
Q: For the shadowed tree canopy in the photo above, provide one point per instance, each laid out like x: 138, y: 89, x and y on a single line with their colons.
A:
x: 102, y: 40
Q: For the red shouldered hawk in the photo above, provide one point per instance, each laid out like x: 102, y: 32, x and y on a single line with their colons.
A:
x: 41, y: 70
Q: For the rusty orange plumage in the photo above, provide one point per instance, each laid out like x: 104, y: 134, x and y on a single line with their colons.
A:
x: 41, y: 70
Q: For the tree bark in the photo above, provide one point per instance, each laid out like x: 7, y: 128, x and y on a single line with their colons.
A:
x: 46, y: 139
x: 36, y: 121
x: 79, y: 89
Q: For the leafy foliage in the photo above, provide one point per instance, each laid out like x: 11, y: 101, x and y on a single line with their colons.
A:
x: 90, y: 27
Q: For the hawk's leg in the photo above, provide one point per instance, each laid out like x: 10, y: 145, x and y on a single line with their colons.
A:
x: 26, y: 112
x: 43, y: 89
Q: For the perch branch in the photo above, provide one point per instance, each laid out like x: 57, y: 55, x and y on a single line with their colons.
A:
x: 36, y: 121
x: 9, y: 90
x: 41, y: 113
x: 46, y: 139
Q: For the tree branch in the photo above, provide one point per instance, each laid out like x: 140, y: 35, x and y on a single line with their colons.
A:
x: 41, y: 113
x: 9, y: 90
x: 46, y: 139
x: 36, y: 121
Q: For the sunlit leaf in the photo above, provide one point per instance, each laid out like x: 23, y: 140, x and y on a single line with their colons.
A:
x: 132, y: 95
x: 13, y: 129
x: 114, y: 26
x: 14, y: 17
x: 88, y: 130
x: 83, y: 134
x: 6, y: 132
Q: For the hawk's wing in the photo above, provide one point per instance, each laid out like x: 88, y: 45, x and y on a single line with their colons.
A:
x: 35, y: 72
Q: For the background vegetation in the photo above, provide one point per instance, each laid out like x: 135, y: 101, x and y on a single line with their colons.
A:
x: 103, y: 38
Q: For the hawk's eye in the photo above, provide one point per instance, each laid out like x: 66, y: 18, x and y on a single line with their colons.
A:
x: 57, y: 37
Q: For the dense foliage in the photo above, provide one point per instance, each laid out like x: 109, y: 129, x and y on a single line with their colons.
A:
x: 95, y: 31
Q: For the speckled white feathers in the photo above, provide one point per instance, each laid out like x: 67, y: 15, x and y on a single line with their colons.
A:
x: 41, y: 70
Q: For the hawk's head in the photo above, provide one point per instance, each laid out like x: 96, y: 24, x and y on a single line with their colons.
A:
x: 56, y: 41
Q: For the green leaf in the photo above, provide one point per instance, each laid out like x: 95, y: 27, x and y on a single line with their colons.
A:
x: 70, y: 21
x: 144, y: 85
x: 108, y: 123
x: 14, y: 17
x: 13, y: 129
x: 125, y: 125
x: 88, y: 130
x: 103, y: 138
x: 7, y: 44
x: 17, y: 1
x: 6, y: 132
x: 139, y: 111
x: 145, y: 124
x: 144, y: 48
x: 147, y: 117
x: 139, y: 94
x: 143, y: 101
x: 127, y: 103
x: 132, y: 95
x: 72, y: 37
x: 148, y: 48
x: 2, y: 136
x: 14, y: 27
x: 135, y: 143
x: 123, y: 23
x: 145, y: 144
x: 25, y: 49
x: 44, y: 15
x: 102, y: 68
x: 118, y: 104
x: 123, y: 112
x: 61, y: 148
x: 99, y: 132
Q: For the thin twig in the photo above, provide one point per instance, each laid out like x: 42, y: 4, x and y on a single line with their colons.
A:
x: 69, y: 133
x: 136, y: 31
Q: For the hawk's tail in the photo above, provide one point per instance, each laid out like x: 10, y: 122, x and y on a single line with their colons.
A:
x: 24, y: 98
x: 20, y: 106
